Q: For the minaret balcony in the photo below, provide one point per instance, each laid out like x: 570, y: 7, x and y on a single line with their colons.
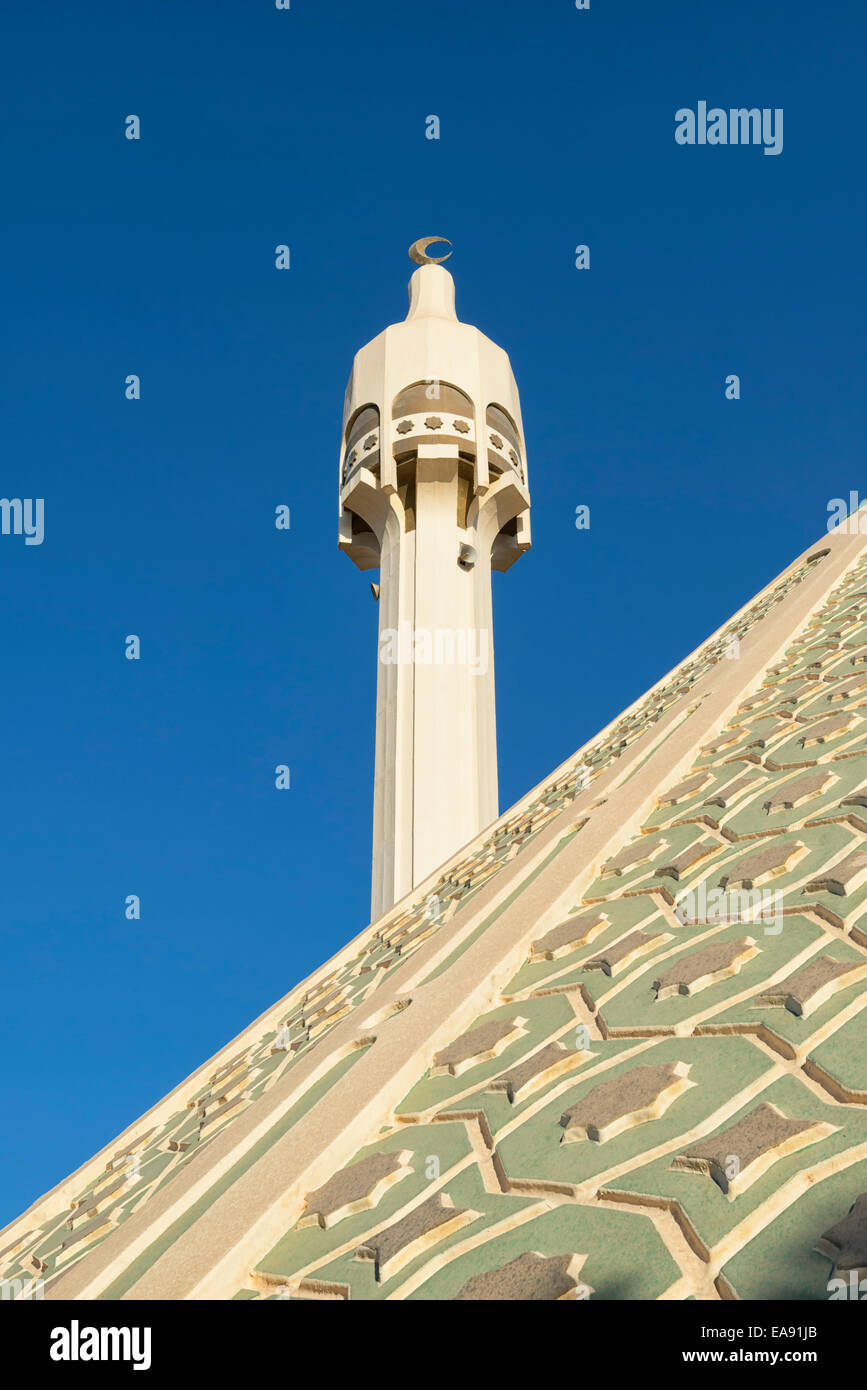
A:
x: 434, y: 427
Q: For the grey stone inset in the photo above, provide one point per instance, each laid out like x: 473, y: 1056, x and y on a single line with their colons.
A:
x: 846, y: 1243
x: 19, y: 1241
x: 812, y: 985
x: 723, y: 740
x: 795, y: 793
x: 531, y: 1278
x: 478, y: 1045
x: 623, y: 953
x: 122, y: 1156
x: 696, y: 971
x: 761, y: 698
x: 856, y: 798
x: 726, y: 795
x: 235, y: 1063
x: 356, y: 1188
x: 763, y: 864
x: 100, y: 1194
x: 643, y: 1093
x: 843, y: 690
x: 685, y: 789
x: 211, y: 1118
x: 426, y: 1225
x: 681, y: 864
x: 738, y: 1155
x: 842, y: 878
x: 639, y: 852
x: 88, y: 1230
x: 324, y: 1021
x: 576, y: 931
x: 536, y: 1071
x: 325, y: 1004
x: 827, y: 729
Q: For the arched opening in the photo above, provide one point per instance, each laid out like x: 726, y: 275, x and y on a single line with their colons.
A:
x: 503, y: 440
x: 362, y: 440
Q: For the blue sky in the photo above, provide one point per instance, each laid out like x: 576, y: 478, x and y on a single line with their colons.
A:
x: 156, y: 257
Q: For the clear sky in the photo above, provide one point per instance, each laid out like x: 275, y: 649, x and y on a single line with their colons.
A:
x: 155, y: 257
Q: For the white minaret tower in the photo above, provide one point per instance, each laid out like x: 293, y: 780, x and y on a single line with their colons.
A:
x: 433, y: 492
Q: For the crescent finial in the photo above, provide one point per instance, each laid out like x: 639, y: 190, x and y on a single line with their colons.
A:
x: 418, y: 249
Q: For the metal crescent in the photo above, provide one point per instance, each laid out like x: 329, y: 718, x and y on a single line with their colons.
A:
x: 418, y: 248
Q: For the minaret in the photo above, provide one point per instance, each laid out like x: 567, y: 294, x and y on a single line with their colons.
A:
x: 433, y: 492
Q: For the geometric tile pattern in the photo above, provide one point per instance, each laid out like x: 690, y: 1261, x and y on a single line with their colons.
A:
x: 668, y: 1099
x: 672, y: 1089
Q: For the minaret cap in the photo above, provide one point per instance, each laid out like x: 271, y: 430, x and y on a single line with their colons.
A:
x: 431, y: 289
x: 432, y: 293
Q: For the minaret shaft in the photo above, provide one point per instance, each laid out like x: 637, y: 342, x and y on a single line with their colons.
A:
x: 436, y: 770
x: 433, y: 492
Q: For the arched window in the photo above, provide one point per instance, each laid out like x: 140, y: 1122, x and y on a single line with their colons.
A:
x: 362, y: 439
x: 432, y: 397
x: 503, y: 439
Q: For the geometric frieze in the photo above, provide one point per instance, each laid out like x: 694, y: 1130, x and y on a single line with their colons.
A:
x: 639, y: 852
x: 222, y: 1085
x: 625, y: 952
x: 98, y: 1197
x: 326, y: 1018
x: 812, y: 985
x: 846, y: 1243
x: 385, y: 962
x: 537, y: 1070
x: 821, y: 689
x: 17, y: 1244
x: 531, y: 1278
x: 640, y: 1094
x: 574, y: 932
x: 478, y: 1045
x: 322, y: 1003
x: 98, y: 1225
x: 770, y: 727
x: 124, y: 1158
x: 680, y: 865
x: 744, y: 781
x: 698, y: 969
x: 285, y: 1041
x: 723, y: 740
x: 827, y: 729
x: 761, y: 698
x: 843, y: 877
x: 838, y: 1058
x: 224, y: 1103
x: 795, y: 793
x: 769, y: 862
x: 233, y: 1065
x: 356, y: 1188
x: 742, y: 1152
x: 423, y: 1227
x: 846, y: 689
x: 685, y: 789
